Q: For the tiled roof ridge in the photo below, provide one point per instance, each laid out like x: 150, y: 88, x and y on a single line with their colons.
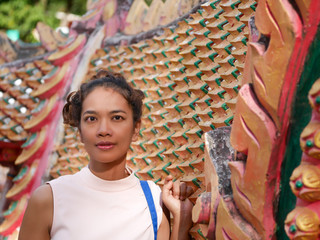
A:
x: 21, y: 62
x: 158, y: 31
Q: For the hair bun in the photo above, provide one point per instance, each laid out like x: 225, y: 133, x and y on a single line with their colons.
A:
x: 67, y: 112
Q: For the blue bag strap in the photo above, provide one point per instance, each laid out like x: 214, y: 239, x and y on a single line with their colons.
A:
x: 152, y: 208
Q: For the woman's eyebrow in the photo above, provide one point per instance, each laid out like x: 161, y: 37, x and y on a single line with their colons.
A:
x: 118, y: 111
x: 112, y: 112
x: 89, y: 112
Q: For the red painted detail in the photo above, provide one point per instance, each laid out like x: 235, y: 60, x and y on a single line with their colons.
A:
x: 48, y: 118
x: 13, y: 145
x: 291, y: 80
x: 225, y: 235
x: 123, y: 16
x: 92, y: 22
x: 69, y: 55
x: 36, y: 177
x: 39, y: 153
x: 14, y: 226
x: 112, y: 25
x: 61, y: 87
x: 9, y: 154
x: 42, y: 154
x: 204, y: 215
x: 297, y: 59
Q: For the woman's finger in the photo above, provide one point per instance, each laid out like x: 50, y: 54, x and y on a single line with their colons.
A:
x: 176, y: 189
x: 167, y: 187
x: 168, y: 179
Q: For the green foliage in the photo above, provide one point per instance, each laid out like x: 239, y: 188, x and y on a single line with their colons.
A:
x: 17, y: 14
x: 78, y: 7
x: 25, y: 14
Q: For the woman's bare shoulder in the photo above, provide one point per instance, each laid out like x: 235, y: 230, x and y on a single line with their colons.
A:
x: 42, y: 197
x: 42, y: 193
x: 38, y: 217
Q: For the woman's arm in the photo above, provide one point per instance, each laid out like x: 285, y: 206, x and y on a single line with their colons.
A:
x: 174, y: 196
x: 164, y: 228
x: 37, y: 220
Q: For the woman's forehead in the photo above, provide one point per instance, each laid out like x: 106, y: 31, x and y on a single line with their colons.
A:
x: 105, y: 99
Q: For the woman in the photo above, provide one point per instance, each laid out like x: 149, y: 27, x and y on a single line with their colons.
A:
x: 105, y: 200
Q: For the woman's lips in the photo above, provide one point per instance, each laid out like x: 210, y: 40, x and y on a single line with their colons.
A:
x: 105, y: 145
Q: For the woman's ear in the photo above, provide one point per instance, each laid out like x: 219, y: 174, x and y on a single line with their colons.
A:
x: 136, y: 131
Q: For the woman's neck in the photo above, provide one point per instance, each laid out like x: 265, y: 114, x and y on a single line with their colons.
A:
x: 108, y: 171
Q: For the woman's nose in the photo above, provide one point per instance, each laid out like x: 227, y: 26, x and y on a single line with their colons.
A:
x: 104, y: 129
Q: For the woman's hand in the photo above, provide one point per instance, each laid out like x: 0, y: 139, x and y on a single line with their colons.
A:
x: 175, y: 197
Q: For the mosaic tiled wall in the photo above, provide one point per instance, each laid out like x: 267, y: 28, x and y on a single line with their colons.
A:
x: 190, y: 76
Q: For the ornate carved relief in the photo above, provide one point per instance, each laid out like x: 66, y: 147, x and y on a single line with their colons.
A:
x: 304, y: 221
x: 277, y: 51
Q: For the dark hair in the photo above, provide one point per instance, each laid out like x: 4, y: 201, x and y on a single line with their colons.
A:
x: 73, y: 107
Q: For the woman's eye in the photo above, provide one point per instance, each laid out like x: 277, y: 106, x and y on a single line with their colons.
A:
x: 90, y: 119
x: 117, y: 118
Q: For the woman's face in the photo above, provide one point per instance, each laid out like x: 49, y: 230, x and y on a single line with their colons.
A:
x: 106, y: 126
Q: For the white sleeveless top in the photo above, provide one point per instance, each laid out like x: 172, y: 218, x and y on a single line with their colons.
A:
x: 89, y: 208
